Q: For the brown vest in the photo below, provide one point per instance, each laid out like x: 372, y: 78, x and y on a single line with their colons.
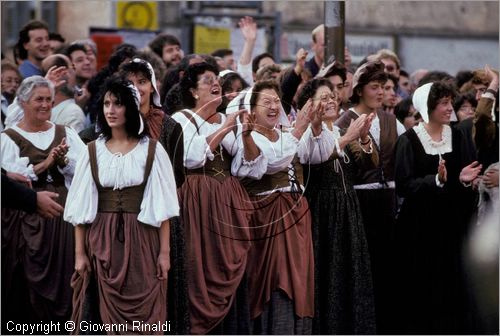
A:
x: 388, y: 137
x: 280, y: 179
x: 219, y: 168
x: 36, y: 155
x: 127, y: 199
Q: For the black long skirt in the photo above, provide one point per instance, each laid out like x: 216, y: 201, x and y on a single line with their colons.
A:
x: 344, y: 301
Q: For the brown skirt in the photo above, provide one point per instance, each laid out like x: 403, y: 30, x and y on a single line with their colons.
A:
x: 282, y: 253
x: 123, y: 254
x: 41, y: 251
x: 216, y: 218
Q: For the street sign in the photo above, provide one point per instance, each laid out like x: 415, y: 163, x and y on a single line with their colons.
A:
x: 137, y: 15
x: 208, y: 39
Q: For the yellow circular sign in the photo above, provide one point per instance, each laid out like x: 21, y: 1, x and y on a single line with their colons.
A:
x: 137, y: 15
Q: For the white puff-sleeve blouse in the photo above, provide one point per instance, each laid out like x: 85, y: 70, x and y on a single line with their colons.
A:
x: 274, y: 156
x: 277, y: 156
x: 318, y: 149
x: 119, y: 171
x: 196, y: 148
x: 13, y: 162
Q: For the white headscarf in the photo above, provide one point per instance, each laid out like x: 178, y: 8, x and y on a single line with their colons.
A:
x: 156, y: 95
x: 137, y: 98
x: 420, y: 98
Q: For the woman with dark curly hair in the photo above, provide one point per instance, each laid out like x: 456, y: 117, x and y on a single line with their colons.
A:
x: 343, y: 280
x: 215, y: 208
x: 120, y: 203
x: 430, y: 168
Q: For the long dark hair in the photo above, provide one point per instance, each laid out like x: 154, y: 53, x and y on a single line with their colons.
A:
x: 122, y: 89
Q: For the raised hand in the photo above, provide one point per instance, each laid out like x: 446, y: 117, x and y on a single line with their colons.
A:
x: 300, y: 60
x: 442, y: 172
x: 316, y: 116
x: 490, y: 178
x: 248, y: 28
x: 492, y: 76
x: 232, y: 117
x: 56, y: 74
x: 82, y: 97
x: 304, y: 115
x: 363, y: 133
x: 354, y: 129
x: 470, y: 173
x: 248, y: 122
x: 59, y: 153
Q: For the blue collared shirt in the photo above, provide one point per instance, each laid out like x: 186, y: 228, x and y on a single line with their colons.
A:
x: 28, y: 69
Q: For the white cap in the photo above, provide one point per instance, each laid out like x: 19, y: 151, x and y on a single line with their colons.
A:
x: 420, y: 97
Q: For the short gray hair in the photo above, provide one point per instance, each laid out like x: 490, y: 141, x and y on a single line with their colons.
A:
x: 28, y: 85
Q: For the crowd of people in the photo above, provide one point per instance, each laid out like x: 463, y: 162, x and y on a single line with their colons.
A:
x: 241, y: 196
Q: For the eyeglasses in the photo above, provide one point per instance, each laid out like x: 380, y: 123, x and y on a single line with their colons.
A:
x: 268, y: 102
x: 209, y: 80
x: 325, y: 98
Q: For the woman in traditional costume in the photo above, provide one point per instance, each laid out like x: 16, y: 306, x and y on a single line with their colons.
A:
x: 37, y: 253
x: 344, y: 301
x: 215, y: 209
x: 281, y: 261
x: 431, y: 168
x: 120, y: 202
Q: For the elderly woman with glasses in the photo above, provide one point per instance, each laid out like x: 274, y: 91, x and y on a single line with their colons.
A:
x: 120, y: 203
x: 215, y: 209
x: 344, y: 301
x: 37, y: 253
x: 281, y: 261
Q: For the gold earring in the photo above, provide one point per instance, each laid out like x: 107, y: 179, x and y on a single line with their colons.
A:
x: 196, y: 97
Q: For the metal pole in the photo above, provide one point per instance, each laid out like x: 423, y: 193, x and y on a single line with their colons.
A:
x: 334, y: 30
x: 38, y: 10
x: 277, y: 37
